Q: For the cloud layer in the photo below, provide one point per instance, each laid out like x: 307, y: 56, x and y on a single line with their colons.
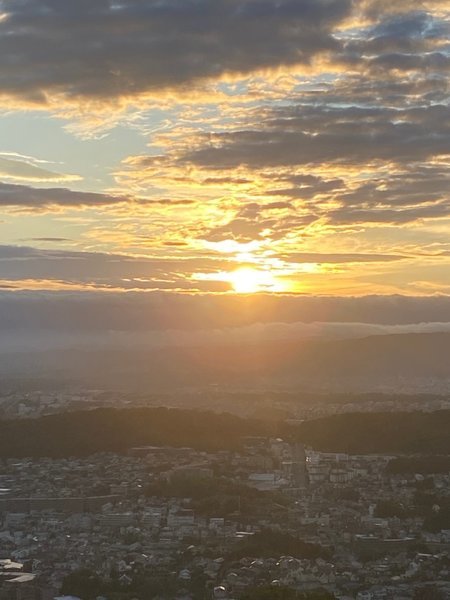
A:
x: 308, y: 140
x: 138, y: 312
x: 22, y: 196
x: 107, y: 49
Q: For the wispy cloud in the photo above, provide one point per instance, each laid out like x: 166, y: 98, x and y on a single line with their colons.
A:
x: 27, y: 169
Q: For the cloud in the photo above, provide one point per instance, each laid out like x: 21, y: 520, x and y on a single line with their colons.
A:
x: 47, y: 199
x: 97, y: 269
x: 376, y: 8
x: 52, y: 240
x: 305, y: 134
x: 321, y: 158
x: 389, y: 215
x: 27, y: 170
x: 332, y: 129
x: 108, y: 50
x: 26, y: 197
x: 98, y: 312
x: 172, y: 269
x: 339, y: 258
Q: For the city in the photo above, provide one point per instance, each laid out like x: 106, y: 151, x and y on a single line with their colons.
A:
x: 224, y: 300
x: 179, y: 523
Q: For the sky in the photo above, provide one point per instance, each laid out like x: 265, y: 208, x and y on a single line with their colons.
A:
x: 198, y: 150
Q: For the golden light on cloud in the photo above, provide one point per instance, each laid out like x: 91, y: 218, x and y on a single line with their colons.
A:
x: 233, y: 247
x: 287, y: 172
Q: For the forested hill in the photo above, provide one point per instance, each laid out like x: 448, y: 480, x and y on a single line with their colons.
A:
x: 87, y: 432
x: 386, y: 433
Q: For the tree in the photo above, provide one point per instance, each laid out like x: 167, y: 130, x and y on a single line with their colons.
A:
x: 83, y: 583
x: 285, y: 593
x: 428, y: 593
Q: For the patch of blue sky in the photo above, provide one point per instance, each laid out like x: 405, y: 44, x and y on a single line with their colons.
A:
x: 46, y: 138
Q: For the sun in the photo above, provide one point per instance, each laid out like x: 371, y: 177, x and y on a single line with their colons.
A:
x: 248, y: 281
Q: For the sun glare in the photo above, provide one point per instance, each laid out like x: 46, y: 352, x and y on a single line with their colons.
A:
x: 248, y: 281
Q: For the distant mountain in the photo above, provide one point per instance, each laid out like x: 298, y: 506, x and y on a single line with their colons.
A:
x: 415, y: 362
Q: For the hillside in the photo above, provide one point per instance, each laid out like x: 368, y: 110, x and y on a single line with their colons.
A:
x: 87, y: 432
x: 413, y: 362
x: 384, y: 433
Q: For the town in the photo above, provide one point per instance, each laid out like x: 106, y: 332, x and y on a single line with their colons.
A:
x: 184, y: 524
x: 32, y: 403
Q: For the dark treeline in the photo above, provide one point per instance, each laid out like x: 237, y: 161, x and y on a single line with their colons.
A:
x: 433, y: 508
x: 388, y: 433
x: 86, y: 432
x: 285, y: 593
x: 110, y: 430
x: 218, y: 496
x: 272, y: 544
x: 425, y: 465
x: 88, y: 585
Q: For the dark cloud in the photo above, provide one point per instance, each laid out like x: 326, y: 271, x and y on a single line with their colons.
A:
x: 396, y: 91
x: 412, y: 41
x: 419, y: 185
x: 420, y: 192
x: 388, y: 215
x: 138, y: 312
x: 22, y: 196
x: 106, y: 49
x: 52, y: 240
x: 320, y: 134
x: 320, y: 258
x: 408, y: 32
x: 375, y: 9
x: 435, y: 61
x: 305, y: 187
x: 26, y: 197
x: 415, y: 24
x: 109, y: 50
x: 23, y: 263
